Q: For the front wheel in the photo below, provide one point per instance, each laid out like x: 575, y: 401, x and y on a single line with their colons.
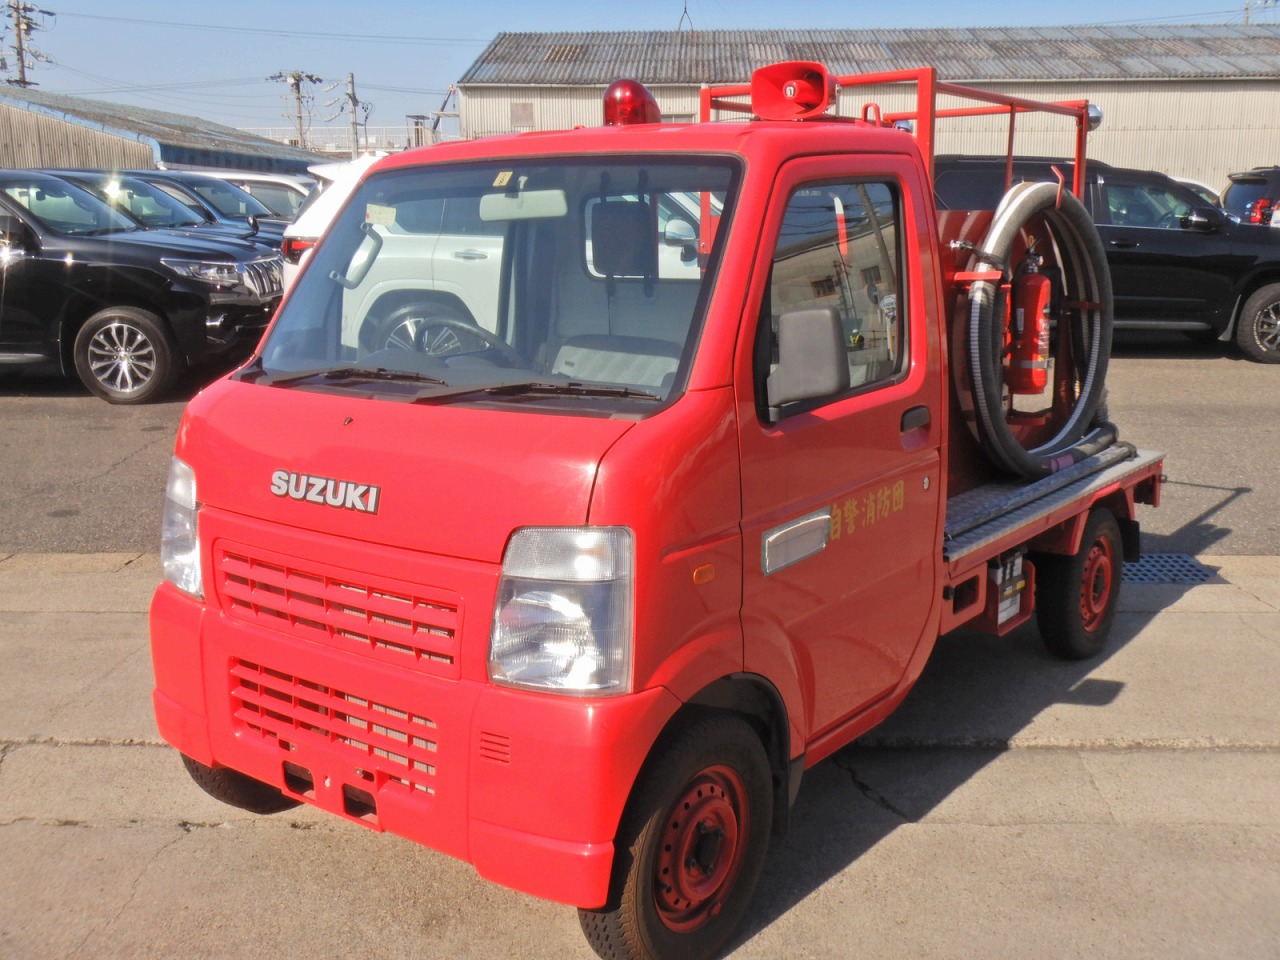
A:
x: 1076, y: 596
x: 125, y: 355
x: 1258, y: 329
x: 690, y: 849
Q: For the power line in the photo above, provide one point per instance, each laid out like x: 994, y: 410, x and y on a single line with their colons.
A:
x: 294, y: 34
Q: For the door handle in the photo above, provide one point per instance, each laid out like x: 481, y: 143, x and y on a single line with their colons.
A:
x: 1123, y: 244
x: 915, y: 418
x: 470, y: 255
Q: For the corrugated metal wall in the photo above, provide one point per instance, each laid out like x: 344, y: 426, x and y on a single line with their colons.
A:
x: 1202, y: 129
x: 30, y: 140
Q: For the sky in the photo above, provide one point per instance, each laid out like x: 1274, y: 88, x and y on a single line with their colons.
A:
x: 213, y: 59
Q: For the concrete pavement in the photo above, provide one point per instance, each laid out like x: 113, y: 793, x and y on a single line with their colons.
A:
x: 1015, y: 807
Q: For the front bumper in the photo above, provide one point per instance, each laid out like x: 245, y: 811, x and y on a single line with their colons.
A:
x: 529, y: 788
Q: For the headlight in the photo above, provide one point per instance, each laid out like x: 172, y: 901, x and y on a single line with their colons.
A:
x: 179, y: 536
x: 221, y: 272
x: 564, y: 613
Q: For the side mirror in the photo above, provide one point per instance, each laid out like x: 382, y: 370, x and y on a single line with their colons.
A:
x: 16, y: 240
x: 812, y: 361
x: 680, y: 233
x: 1204, y: 220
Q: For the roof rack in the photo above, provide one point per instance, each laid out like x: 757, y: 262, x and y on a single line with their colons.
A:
x: 804, y: 91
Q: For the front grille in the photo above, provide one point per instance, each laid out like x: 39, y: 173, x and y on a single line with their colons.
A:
x: 265, y: 277
x: 393, y: 623
x: 385, y: 742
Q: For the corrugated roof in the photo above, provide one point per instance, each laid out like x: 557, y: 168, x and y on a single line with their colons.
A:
x: 979, y: 53
x: 176, y: 138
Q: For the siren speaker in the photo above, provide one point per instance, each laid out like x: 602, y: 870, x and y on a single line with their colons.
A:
x: 791, y: 91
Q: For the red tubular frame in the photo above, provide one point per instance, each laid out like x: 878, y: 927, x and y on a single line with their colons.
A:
x: 926, y: 115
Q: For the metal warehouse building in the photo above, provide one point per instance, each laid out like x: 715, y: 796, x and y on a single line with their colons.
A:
x: 40, y: 129
x: 1193, y: 101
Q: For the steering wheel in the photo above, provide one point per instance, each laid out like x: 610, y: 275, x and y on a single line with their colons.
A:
x: 438, y: 331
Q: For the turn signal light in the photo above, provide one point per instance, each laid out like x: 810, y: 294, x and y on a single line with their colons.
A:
x: 629, y: 101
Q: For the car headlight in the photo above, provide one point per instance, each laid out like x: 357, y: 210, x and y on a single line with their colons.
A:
x: 221, y: 272
x: 180, y: 535
x: 563, y: 619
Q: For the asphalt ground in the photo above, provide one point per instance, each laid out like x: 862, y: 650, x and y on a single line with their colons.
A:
x: 1014, y: 807
x: 78, y: 475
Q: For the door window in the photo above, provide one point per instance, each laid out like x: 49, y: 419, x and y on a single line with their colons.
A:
x: 839, y: 248
x: 1146, y: 205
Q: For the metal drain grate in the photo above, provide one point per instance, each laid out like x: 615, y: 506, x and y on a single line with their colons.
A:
x: 1167, y: 568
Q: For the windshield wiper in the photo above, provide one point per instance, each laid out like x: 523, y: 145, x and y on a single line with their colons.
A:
x: 571, y: 388
x: 354, y: 373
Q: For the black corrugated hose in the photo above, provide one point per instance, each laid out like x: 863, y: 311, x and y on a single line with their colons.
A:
x: 1086, y: 282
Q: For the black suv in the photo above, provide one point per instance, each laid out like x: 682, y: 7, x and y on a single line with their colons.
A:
x: 1253, y: 194
x: 1176, y: 264
x: 86, y: 287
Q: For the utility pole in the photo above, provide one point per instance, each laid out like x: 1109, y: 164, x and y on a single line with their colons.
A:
x: 23, y: 16
x: 295, y: 79
x: 355, y: 125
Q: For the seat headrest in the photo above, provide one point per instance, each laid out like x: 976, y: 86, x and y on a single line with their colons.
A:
x: 624, y: 242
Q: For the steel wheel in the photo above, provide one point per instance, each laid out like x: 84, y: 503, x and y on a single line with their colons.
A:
x: 690, y: 848
x: 701, y: 850
x: 124, y: 355
x: 1076, y: 596
x: 1096, y: 584
x: 1258, y: 328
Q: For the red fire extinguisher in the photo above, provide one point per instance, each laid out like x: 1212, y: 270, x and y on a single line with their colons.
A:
x: 1027, y: 359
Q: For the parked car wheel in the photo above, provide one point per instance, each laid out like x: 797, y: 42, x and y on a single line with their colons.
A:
x: 125, y: 355
x: 439, y: 331
x: 236, y: 789
x: 1258, y: 329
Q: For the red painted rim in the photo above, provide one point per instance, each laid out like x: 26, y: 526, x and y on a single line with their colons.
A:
x: 701, y: 849
x: 1095, y: 586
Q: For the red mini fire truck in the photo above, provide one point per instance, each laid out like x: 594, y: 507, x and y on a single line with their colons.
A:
x: 591, y: 486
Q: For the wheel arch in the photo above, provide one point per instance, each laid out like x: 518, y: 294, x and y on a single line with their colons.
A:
x: 1247, y: 288
x: 79, y: 311
x: 387, y: 304
x: 755, y: 700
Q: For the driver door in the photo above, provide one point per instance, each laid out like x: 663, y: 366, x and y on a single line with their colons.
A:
x: 841, y: 494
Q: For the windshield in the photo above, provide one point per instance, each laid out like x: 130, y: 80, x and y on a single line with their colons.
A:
x: 228, y: 199
x: 65, y: 208
x: 146, y: 202
x: 579, y: 281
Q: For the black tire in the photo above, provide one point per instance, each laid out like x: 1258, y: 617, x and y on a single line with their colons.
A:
x: 1076, y: 596
x: 690, y: 848
x: 125, y: 355
x: 1258, y: 328
x: 236, y: 789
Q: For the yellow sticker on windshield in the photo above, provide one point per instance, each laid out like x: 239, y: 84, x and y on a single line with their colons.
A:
x: 379, y: 214
x: 502, y: 179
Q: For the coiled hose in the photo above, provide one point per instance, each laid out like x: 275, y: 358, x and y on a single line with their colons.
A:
x: 1087, y: 293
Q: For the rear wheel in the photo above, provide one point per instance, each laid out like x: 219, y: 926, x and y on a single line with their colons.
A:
x: 1258, y: 329
x: 124, y: 355
x: 690, y: 849
x: 236, y: 789
x: 1076, y: 596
